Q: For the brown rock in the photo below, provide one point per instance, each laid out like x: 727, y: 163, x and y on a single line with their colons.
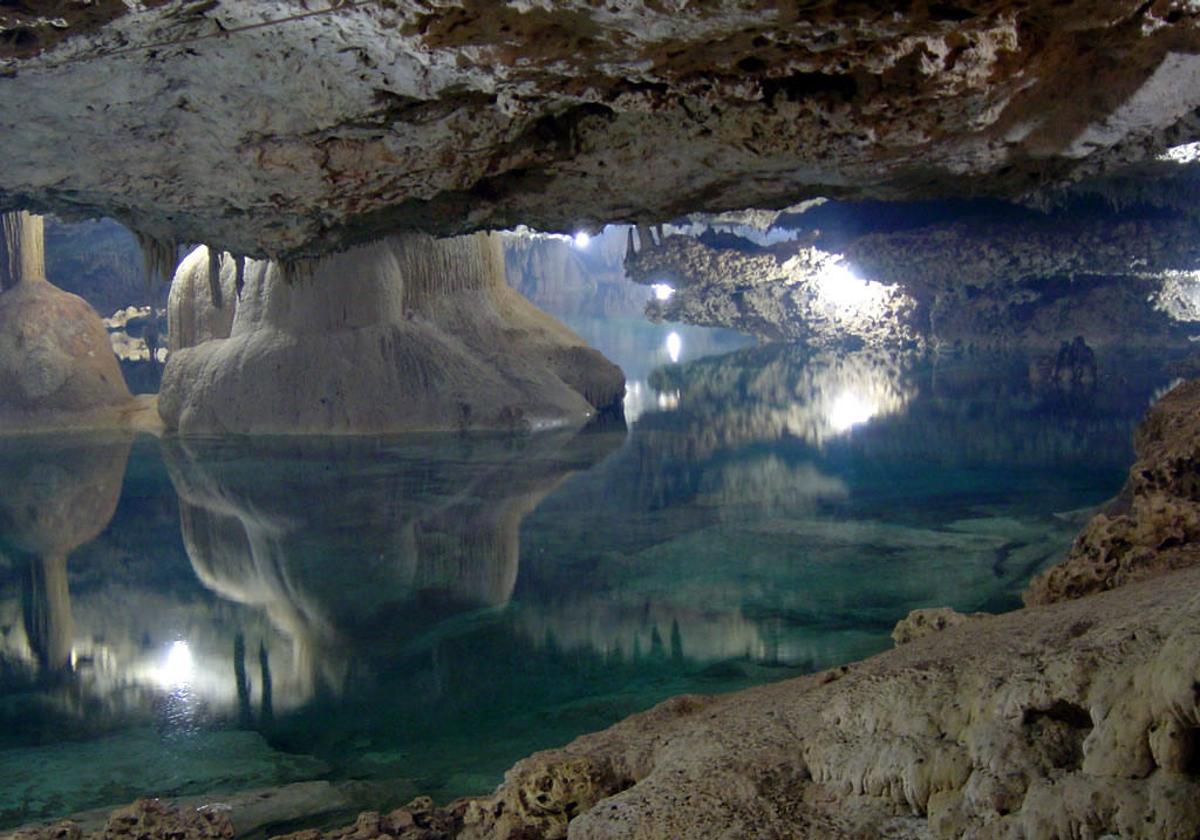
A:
x: 1153, y: 525
x: 55, y: 357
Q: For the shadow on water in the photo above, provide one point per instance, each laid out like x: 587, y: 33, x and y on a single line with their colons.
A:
x: 198, y: 615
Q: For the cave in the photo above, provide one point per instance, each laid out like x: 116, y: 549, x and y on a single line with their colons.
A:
x: 475, y: 421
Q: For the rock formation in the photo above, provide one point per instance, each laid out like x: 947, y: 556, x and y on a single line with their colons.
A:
x: 958, y: 275
x: 570, y: 280
x: 276, y: 128
x: 406, y: 333
x: 56, y: 364
x: 1152, y: 527
x: 198, y: 310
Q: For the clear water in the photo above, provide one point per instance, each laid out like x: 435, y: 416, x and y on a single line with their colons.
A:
x: 420, y: 612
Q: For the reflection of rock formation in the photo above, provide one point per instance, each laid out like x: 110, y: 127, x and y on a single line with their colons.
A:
x: 349, y: 554
x: 407, y: 333
x: 57, y: 494
x: 787, y: 391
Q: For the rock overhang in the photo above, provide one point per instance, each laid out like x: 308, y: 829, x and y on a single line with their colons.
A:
x: 287, y: 128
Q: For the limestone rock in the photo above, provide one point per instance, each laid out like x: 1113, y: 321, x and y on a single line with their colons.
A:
x: 1072, y: 720
x: 921, y: 623
x: 1153, y: 525
x: 56, y: 363
x: 272, y: 126
x: 407, y: 333
x: 193, y: 317
x: 146, y: 819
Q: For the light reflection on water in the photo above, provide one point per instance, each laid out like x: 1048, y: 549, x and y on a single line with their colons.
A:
x: 425, y: 610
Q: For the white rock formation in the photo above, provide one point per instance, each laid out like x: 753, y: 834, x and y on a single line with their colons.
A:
x: 406, y: 333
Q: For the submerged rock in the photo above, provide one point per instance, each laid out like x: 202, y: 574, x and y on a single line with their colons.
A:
x: 408, y: 333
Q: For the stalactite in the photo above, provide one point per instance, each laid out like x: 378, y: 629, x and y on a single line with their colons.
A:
x: 22, y: 256
x: 630, y: 247
x: 295, y: 271
x: 159, y: 257
x: 240, y: 277
x: 645, y: 238
x: 214, y: 276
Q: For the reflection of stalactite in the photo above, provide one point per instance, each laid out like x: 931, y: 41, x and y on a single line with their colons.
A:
x: 268, y: 704
x: 676, y: 640
x: 243, y: 683
x: 47, y: 607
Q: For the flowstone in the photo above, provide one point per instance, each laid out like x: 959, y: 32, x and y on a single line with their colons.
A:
x: 408, y: 333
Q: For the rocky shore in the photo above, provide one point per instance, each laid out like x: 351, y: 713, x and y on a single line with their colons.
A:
x: 1077, y: 716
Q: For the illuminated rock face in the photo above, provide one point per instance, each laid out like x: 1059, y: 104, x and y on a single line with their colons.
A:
x: 938, y: 275
x: 407, y: 333
x: 274, y: 127
x: 809, y: 295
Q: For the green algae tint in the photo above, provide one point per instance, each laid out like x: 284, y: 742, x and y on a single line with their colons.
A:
x: 417, y: 613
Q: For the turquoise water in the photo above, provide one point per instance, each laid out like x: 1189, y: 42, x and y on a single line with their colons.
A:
x: 417, y: 613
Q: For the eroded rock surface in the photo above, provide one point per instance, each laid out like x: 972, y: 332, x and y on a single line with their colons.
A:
x: 1152, y: 526
x: 407, y: 333
x: 945, y: 275
x: 56, y: 363
x: 277, y: 128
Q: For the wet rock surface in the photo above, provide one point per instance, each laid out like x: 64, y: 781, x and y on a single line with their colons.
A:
x: 1152, y: 526
x: 295, y: 130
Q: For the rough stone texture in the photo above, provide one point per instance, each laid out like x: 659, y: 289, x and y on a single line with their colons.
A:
x: 278, y: 128
x: 1073, y: 720
x: 146, y: 819
x: 56, y: 364
x: 921, y: 623
x: 1152, y: 526
x: 792, y: 296
x: 1003, y: 277
x: 430, y: 338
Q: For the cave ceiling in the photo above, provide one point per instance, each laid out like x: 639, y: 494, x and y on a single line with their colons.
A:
x: 292, y: 127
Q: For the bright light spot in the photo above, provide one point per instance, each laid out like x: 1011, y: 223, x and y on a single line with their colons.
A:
x: 1187, y: 153
x: 662, y: 291
x: 177, y: 670
x: 842, y: 287
x: 582, y: 239
x: 674, y: 346
x: 668, y: 401
x: 849, y: 410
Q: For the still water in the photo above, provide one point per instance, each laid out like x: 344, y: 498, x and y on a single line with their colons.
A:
x: 416, y: 613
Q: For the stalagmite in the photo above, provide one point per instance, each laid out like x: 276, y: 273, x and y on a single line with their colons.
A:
x: 407, y: 333
x: 56, y: 364
x: 22, y: 254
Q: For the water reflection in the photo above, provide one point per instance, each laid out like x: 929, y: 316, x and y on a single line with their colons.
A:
x: 57, y: 494
x: 431, y: 608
